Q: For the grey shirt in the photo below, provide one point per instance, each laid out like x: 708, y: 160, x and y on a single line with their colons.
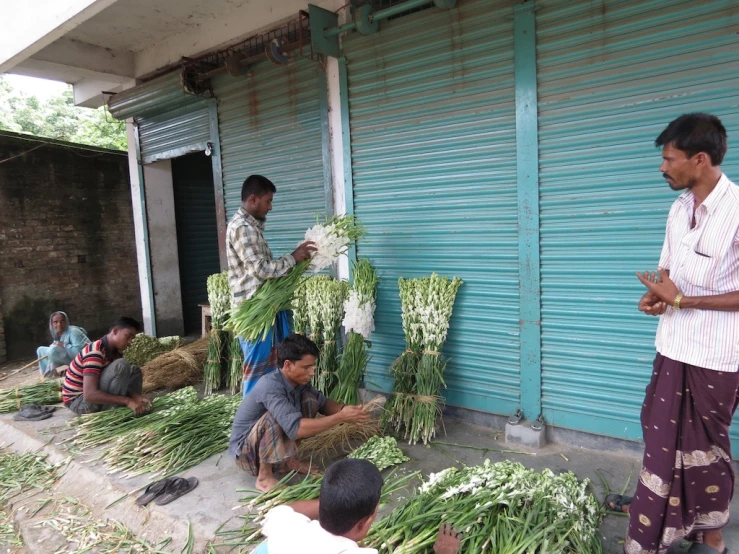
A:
x: 275, y: 395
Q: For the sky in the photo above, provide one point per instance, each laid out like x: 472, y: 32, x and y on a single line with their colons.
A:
x: 41, y: 88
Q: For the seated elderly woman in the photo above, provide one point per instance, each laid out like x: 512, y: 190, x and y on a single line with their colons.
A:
x: 68, y: 341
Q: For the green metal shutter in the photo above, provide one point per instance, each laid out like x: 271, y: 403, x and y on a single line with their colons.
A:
x: 171, y: 122
x: 433, y: 140
x: 197, y: 233
x: 610, y: 80
x: 270, y: 124
x: 175, y: 133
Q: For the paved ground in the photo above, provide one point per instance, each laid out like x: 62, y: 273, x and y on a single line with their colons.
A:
x: 213, y: 504
x: 11, y: 377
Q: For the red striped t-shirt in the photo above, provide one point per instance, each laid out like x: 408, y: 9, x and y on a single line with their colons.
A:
x: 93, y: 358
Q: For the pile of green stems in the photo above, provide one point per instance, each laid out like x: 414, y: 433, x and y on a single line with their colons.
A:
x: 353, y: 363
x: 426, y: 406
x: 398, y: 412
x: 189, y: 435
x: 492, y: 521
x: 103, y: 427
x: 45, y: 392
x: 307, y: 488
x: 213, y: 369
x: 254, y: 317
x: 235, y: 375
x: 22, y: 472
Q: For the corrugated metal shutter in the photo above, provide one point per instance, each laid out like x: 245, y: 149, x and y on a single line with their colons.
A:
x: 157, y: 96
x: 270, y: 124
x: 433, y: 140
x: 174, y: 133
x: 197, y: 233
x: 171, y: 122
x: 610, y: 79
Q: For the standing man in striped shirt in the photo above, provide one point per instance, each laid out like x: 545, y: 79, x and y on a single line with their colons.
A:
x: 99, y: 378
x: 250, y: 264
x: 687, y: 479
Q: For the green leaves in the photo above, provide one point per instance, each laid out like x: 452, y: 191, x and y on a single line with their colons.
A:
x: 58, y: 118
x: 381, y: 451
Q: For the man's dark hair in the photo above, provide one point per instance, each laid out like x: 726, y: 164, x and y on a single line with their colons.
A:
x: 294, y: 347
x: 694, y: 133
x: 258, y: 185
x: 126, y: 323
x: 350, y: 492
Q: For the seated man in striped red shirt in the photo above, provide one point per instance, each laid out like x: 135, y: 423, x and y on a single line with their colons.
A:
x: 99, y: 378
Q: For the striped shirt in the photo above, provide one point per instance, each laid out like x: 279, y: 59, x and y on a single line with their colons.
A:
x: 93, y: 358
x: 250, y: 260
x: 703, y: 261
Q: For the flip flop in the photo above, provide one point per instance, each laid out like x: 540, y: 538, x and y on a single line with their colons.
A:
x: 618, y: 501
x: 686, y: 547
x: 176, y: 488
x: 34, y: 412
x: 152, y: 491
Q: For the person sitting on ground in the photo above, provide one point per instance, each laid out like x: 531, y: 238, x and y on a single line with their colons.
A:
x: 67, y: 341
x: 340, y: 517
x: 282, y: 409
x: 99, y: 378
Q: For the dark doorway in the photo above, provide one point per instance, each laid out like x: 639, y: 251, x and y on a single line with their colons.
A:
x: 197, y: 232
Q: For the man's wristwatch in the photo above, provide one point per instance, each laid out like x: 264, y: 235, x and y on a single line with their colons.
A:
x: 676, y: 303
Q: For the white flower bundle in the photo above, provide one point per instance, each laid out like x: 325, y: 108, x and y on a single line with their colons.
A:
x: 498, y: 507
x: 359, y: 316
x: 427, y: 305
x: 219, y: 298
x: 313, y: 299
x: 331, y: 239
x: 359, y: 322
x: 332, y: 296
x: 253, y: 318
x: 399, y: 408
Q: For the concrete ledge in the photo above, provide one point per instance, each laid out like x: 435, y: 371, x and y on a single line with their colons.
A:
x: 525, y: 435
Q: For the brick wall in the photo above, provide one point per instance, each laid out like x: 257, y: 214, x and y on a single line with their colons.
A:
x: 66, y: 240
x: 3, y: 351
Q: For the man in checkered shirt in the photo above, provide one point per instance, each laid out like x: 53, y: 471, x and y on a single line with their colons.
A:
x: 250, y: 264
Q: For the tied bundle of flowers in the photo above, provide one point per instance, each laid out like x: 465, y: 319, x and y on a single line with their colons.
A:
x: 436, y: 295
x: 399, y: 409
x: 332, y: 296
x: 253, y: 318
x: 313, y: 294
x: 359, y: 322
x: 235, y: 366
x: 219, y: 297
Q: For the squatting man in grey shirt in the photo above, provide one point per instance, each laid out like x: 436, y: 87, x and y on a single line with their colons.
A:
x: 282, y: 409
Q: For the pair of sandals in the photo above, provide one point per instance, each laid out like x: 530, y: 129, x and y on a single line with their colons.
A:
x: 617, y: 502
x: 34, y: 412
x: 167, y: 490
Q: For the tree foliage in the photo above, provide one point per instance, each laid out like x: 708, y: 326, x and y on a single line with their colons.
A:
x: 58, y: 118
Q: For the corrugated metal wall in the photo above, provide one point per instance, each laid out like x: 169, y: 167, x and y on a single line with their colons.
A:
x: 432, y: 121
x: 611, y: 76
x: 270, y: 124
x: 174, y: 133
